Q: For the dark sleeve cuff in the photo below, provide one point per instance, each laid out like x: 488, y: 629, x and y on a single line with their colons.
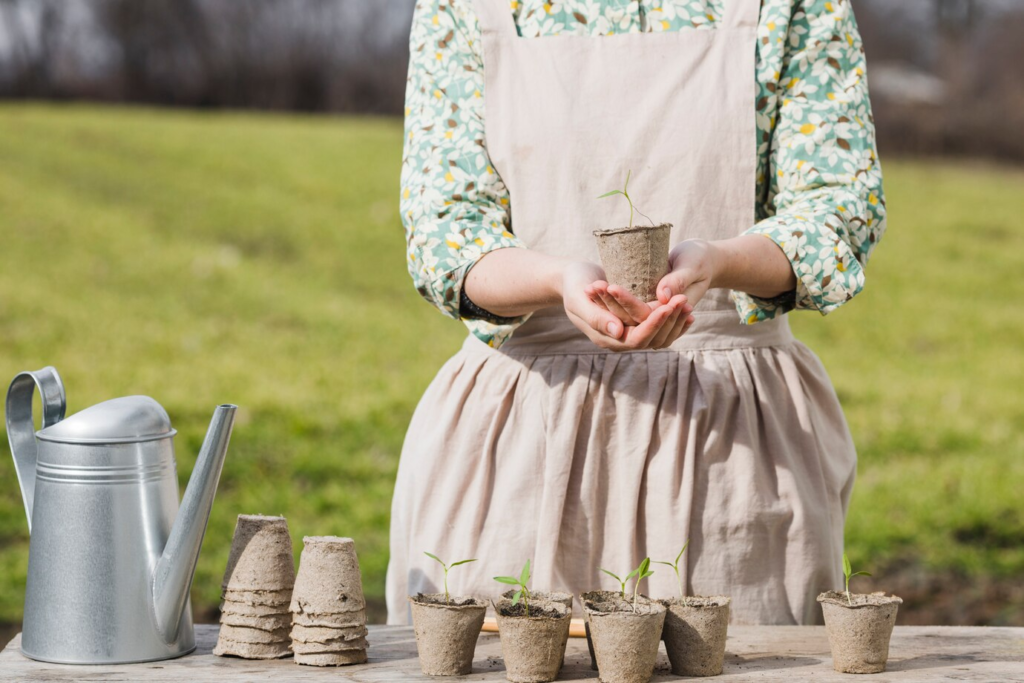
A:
x: 470, y: 311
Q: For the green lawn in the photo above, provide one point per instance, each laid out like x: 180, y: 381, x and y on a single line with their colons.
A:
x: 257, y: 259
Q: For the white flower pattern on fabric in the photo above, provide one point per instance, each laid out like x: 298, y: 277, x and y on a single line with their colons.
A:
x: 819, y: 186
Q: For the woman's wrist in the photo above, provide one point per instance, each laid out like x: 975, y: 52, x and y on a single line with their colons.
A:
x: 514, y: 282
x: 721, y: 264
x: 752, y: 264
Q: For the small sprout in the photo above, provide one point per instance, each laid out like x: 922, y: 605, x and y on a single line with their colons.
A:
x: 447, y: 598
x: 675, y: 568
x: 640, y: 573
x: 625, y: 193
x: 849, y: 574
x: 523, y: 592
x: 622, y: 582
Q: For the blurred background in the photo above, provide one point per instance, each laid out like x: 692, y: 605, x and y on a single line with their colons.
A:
x: 198, y: 202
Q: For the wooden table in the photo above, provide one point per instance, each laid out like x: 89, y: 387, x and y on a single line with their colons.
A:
x: 754, y: 653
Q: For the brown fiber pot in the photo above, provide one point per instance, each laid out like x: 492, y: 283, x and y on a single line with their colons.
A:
x: 532, y: 646
x: 694, y: 634
x: 446, y: 634
x: 858, y: 634
x: 601, y: 596
x: 625, y: 642
x: 635, y: 258
x: 549, y: 596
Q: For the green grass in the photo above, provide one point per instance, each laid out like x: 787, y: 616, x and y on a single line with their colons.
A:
x: 256, y: 259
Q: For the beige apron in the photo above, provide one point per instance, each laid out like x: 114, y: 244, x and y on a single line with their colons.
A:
x: 554, y: 450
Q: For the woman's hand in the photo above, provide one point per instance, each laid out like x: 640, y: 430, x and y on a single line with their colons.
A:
x: 633, y: 326
x: 691, y: 271
x: 747, y: 263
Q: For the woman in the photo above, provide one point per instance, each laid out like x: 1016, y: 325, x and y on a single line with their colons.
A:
x: 579, y: 427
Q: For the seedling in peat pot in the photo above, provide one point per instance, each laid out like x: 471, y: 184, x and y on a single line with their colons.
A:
x: 641, y: 572
x: 849, y: 574
x: 622, y: 582
x: 675, y: 568
x: 625, y: 193
x: 523, y: 593
x: 447, y: 567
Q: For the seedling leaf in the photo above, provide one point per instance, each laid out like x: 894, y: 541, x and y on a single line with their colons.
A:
x: 614, y: 576
x: 675, y: 568
x: 681, y: 553
x: 447, y: 598
x: 848, y: 574
x: 524, y: 592
x: 625, y: 193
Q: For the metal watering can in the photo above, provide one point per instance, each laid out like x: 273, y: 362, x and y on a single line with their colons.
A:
x: 111, y: 557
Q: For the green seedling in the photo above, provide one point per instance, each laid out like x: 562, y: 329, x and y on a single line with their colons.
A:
x: 849, y: 574
x: 625, y: 193
x: 447, y: 598
x: 523, y: 593
x: 675, y: 568
x: 641, y: 572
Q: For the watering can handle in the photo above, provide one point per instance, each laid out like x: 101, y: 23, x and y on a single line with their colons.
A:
x: 20, y: 428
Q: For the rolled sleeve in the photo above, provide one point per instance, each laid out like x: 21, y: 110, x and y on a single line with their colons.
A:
x: 454, y: 205
x: 826, y: 207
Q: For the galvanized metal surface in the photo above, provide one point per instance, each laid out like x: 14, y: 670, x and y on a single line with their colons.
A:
x: 753, y: 653
x: 111, y: 557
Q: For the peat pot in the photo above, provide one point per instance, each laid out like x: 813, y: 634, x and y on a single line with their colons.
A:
x: 859, y: 628
x: 446, y: 632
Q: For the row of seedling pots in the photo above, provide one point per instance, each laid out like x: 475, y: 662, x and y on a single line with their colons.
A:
x: 624, y: 628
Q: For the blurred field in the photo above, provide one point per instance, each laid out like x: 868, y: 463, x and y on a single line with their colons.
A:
x: 208, y: 258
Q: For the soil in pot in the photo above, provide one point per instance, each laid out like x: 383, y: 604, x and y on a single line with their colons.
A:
x: 625, y: 642
x: 694, y: 634
x: 858, y: 633
x: 533, y: 642
x: 635, y: 258
x: 446, y: 632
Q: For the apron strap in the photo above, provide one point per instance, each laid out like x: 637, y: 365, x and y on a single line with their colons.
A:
x: 495, y: 17
x: 742, y: 13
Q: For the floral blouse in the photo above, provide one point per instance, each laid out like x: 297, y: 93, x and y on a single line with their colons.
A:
x: 819, y: 182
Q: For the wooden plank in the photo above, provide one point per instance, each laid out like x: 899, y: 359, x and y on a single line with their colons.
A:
x: 769, y: 653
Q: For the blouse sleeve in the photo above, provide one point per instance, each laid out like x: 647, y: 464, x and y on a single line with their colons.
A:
x: 824, y: 206
x: 454, y: 206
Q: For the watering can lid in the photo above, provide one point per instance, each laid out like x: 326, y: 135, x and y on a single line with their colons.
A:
x: 120, y: 420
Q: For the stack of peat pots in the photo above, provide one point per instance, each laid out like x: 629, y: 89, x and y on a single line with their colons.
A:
x: 257, y: 589
x: 328, y: 608
x: 534, y: 635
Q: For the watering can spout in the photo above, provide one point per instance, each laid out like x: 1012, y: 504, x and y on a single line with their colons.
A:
x: 172, y: 578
